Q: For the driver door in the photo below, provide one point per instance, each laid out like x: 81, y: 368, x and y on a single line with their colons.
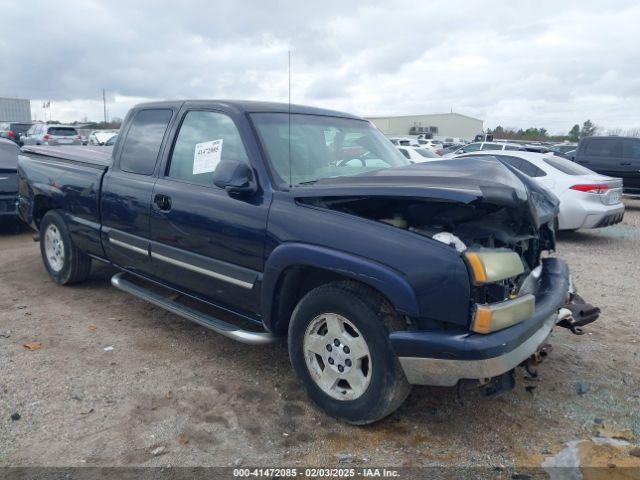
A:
x: 204, y: 241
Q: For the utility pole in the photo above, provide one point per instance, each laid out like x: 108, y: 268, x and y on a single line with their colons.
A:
x: 104, y: 105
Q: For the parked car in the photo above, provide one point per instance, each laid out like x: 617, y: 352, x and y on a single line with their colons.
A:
x: 44, y: 134
x: 587, y: 199
x: 8, y: 179
x: 418, y: 154
x: 482, y: 146
x: 254, y: 207
x: 613, y: 156
x: 562, y: 148
x: 14, y: 130
x: 101, y: 137
x: 434, y: 145
x: 404, y: 141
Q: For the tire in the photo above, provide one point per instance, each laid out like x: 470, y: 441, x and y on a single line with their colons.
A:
x: 359, y: 319
x: 62, y: 259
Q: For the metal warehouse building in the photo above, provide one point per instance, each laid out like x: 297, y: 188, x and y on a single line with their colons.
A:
x: 439, y: 125
x: 15, y: 110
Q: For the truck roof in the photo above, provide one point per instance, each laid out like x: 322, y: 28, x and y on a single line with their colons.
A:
x: 250, y: 106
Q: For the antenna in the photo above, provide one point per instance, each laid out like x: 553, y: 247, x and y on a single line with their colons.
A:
x: 290, y: 180
x: 104, y: 105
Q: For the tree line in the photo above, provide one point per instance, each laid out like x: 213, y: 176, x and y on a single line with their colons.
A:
x: 588, y: 129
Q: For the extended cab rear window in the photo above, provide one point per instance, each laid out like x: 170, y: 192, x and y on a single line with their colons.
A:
x: 62, y: 131
x: 142, y: 144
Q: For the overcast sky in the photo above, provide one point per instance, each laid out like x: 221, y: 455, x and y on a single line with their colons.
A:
x: 548, y: 64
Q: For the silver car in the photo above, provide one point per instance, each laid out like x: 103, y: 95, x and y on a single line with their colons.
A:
x: 42, y: 134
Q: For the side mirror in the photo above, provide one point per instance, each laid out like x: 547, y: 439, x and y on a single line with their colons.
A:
x: 235, y: 177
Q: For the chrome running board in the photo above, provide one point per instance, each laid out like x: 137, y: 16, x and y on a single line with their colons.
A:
x: 220, y: 326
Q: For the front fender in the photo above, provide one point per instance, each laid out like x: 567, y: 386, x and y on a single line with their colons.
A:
x: 391, y: 283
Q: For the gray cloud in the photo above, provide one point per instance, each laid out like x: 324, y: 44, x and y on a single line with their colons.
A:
x: 542, y: 63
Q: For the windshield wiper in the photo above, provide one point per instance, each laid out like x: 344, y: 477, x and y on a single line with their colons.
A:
x: 309, y: 182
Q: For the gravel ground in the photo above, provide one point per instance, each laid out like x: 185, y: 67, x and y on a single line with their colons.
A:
x: 169, y: 392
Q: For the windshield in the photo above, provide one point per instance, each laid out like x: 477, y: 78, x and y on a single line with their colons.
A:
x: 322, y: 147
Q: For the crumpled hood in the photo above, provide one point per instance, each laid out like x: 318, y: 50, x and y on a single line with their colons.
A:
x: 464, y: 180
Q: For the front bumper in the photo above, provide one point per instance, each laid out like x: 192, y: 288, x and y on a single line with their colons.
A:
x: 8, y: 205
x: 445, y: 357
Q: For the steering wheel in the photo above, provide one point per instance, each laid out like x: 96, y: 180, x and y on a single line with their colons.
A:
x: 344, y: 163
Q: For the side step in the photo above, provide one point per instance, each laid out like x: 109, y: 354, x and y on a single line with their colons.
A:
x: 227, y: 329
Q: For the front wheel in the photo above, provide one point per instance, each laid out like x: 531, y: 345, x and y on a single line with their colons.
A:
x: 339, y: 347
x: 65, y: 263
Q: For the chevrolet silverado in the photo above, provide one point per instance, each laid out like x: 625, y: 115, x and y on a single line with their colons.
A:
x: 307, y: 224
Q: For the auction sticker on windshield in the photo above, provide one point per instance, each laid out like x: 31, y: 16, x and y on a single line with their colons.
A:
x: 206, y: 156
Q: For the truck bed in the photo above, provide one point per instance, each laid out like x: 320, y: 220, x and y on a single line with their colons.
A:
x: 98, y: 156
x: 68, y: 179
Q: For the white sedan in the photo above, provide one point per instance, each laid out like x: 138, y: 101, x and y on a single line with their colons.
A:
x: 587, y: 199
x: 418, y: 154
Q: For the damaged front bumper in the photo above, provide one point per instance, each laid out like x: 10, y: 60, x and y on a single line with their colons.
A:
x: 444, y: 358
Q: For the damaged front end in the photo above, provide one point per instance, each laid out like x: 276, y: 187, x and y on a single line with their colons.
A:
x: 501, y: 223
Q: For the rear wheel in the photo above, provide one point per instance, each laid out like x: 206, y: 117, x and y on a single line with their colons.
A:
x: 339, y: 347
x: 65, y: 263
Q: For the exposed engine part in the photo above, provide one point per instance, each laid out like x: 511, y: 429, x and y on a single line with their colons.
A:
x: 580, y: 314
x: 536, y: 359
x: 475, y: 224
x: 450, y: 239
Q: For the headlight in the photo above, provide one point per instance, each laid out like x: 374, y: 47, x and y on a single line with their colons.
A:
x: 488, y: 266
x: 496, y: 316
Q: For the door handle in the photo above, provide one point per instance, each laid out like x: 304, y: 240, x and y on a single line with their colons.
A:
x: 625, y: 164
x: 163, y: 202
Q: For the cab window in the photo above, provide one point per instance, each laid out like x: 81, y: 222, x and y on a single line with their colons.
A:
x: 143, y: 141
x: 205, y: 139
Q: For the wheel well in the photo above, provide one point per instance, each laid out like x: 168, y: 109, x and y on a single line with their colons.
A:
x: 41, y: 205
x: 294, y: 283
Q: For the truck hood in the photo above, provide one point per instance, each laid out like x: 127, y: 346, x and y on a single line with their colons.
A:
x: 469, y: 180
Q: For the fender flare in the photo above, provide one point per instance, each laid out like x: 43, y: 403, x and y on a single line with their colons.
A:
x: 391, y: 283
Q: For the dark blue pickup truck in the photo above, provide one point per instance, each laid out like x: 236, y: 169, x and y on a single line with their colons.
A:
x: 298, y: 222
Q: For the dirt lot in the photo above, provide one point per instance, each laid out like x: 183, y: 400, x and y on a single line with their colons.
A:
x: 169, y: 392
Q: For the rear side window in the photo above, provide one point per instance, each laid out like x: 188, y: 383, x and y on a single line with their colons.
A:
x: 567, y: 166
x: 511, y: 147
x: 601, y: 147
x: 404, y: 152
x: 62, y: 131
x: 631, y: 148
x: 515, y: 162
x: 530, y: 169
x: 142, y: 145
x: 523, y: 165
x: 204, y: 140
